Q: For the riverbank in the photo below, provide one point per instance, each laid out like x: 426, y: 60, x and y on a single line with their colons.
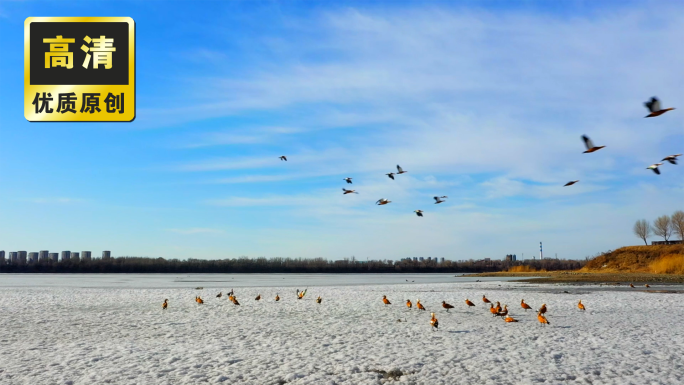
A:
x: 585, y: 277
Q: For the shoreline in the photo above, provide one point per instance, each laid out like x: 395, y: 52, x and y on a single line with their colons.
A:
x: 590, y: 277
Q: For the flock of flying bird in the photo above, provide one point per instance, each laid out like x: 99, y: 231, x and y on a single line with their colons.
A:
x: 653, y: 106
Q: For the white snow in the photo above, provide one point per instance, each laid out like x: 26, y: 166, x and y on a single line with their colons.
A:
x: 98, y: 335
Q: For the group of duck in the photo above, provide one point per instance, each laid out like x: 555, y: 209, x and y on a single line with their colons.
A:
x: 497, y: 311
x: 654, y: 108
x: 232, y: 298
x: 652, y: 105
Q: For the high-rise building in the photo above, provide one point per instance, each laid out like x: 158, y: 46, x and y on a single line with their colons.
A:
x: 33, y: 257
x: 43, y: 255
x: 2, y: 257
x: 13, y: 256
x: 66, y: 255
x: 106, y: 254
x: 54, y: 257
x: 415, y: 259
x: 442, y: 260
x: 75, y: 256
x: 421, y: 259
x: 22, y: 257
x: 86, y: 255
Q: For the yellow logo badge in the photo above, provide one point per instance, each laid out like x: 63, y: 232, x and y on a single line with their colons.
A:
x: 79, y: 69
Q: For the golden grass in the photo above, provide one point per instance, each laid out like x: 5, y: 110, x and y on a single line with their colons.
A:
x: 637, y: 259
x: 524, y: 269
x: 668, y: 264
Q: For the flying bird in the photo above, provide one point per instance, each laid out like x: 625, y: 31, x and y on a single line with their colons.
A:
x: 672, y: 158
x: 440, y: 199
x: 349, y: 191
x: 400, y: 170
x: 571, y: 183
x: 590, y: 145
x: 283, y: 158
x: 390, y: 175
x: 419, y: 213
x: 654, y: 106
x: 654, y: 167
x: 348, y: 180
x: 382, y: 201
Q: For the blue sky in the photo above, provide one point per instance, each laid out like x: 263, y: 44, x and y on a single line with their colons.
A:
x: 484, y: 102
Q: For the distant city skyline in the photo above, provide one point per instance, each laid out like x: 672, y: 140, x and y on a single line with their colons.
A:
x: 483, y: 102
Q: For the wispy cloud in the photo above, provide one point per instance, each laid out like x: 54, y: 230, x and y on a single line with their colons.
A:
x: 192, y: 231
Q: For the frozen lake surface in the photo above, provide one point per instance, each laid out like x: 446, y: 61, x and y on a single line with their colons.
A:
x: 104, y: 329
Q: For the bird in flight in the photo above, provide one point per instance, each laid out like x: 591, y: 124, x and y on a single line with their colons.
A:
x: 654, y: 167
x: 654, y: 107
x: 382, y: 201
x: 571, y: 183
x: 348, y: 180
x: 672, y: 158
x: 349, y: 191
x: 590, y: 145
x: 283, y: 158
x: 400, y: 170
x: 440, y: 199
x: 390, y: 175
x: 419, y: 213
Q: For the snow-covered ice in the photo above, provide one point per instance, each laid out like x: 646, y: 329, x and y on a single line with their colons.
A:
x: 67, y: 334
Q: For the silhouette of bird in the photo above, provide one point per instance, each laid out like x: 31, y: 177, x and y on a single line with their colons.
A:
x: 654, y: 167
x: 400, y: 170
x: 419, y: 213
x: 219, y: 295
x: 283, y: 158
x: 258, y: 297
x: 524, y: 305
x: 433, y: 321
x: 654, y: 107
x: 590, y: 145
x: 467, y: 301
x: 671, y: 158
x: 580, y: 305
x: 447, y: 306
x: 165, y: 304
x: 390, y: 175
x: 385, y: 300
x: 440, y: 199
x: 348, y: 191
x: 382, y: 201
x: 571, y: 183
x: 349, y: 180
x: 409, y: 304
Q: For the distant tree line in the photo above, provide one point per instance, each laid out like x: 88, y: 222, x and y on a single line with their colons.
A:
x: 664, y: 226
x: 279, y: 265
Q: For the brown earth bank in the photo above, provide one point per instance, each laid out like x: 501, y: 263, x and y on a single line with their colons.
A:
x: 639, y: 265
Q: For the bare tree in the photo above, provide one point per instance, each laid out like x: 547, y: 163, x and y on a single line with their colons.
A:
x: 642, y: 229
x: 662, y: 227
x: 678, y: 223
